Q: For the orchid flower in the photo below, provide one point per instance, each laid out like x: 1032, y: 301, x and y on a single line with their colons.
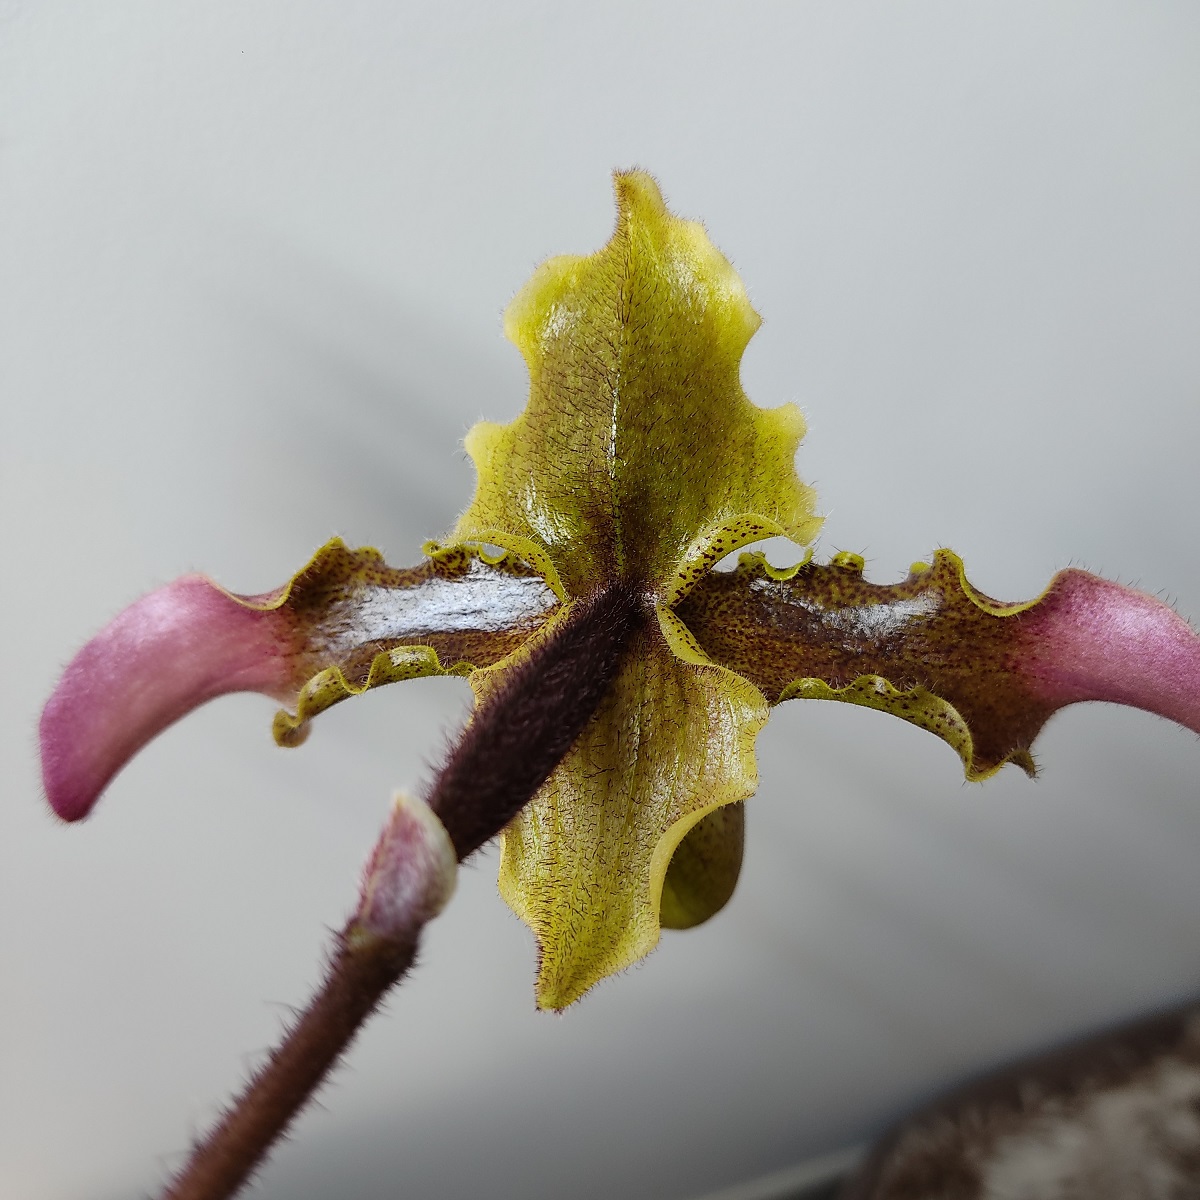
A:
x: 637, y: 462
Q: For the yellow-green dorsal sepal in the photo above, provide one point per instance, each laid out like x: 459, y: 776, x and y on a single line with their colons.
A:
x: 638, y: 454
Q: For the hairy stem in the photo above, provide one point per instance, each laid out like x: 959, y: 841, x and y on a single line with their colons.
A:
x: 357, y: 981
x: 520, y: 732
x: 515, y: 739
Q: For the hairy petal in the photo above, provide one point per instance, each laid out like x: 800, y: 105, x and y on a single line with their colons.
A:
x: 981, y: 674
x: 345, y: 623
x: 360, y: 623
x: 584, y: 864
x: 1089, y: 639
x: 163, y: 656
x: 638, y: 455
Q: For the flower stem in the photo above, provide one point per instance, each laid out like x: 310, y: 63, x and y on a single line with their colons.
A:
x: 357, y: 981
x: 515, y: 738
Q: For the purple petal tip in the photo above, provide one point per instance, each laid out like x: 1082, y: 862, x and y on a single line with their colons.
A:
x: 166, y: 654
x: 1090, y: 639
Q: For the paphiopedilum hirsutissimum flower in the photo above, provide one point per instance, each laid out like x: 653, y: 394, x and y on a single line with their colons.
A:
x: 640, y: 461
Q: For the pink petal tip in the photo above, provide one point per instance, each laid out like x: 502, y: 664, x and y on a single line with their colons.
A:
x: 165, y: 655
x: 1089, y: 639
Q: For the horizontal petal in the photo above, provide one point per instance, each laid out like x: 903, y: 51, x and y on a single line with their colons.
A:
x: 1089, y: 639
x: 345, y: 623
x: 359, y: 623
x: 163, y: 656
x: 584, y: 863
x: 983, y: 675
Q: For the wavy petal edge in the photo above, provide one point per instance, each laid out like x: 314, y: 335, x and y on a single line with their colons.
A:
x: 926, y: 650
x: 192, y: 640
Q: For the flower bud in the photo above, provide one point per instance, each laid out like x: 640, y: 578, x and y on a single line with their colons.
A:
x: 410, y: 875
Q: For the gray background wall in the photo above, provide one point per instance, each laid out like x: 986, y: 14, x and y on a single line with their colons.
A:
x: 252, y: 264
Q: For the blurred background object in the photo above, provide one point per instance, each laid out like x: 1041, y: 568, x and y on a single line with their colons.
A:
x: 252, y: 264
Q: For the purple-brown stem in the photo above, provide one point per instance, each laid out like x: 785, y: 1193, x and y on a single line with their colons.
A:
x: 356, y: 983
x: 514, y: 740
x: 520, y: 732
